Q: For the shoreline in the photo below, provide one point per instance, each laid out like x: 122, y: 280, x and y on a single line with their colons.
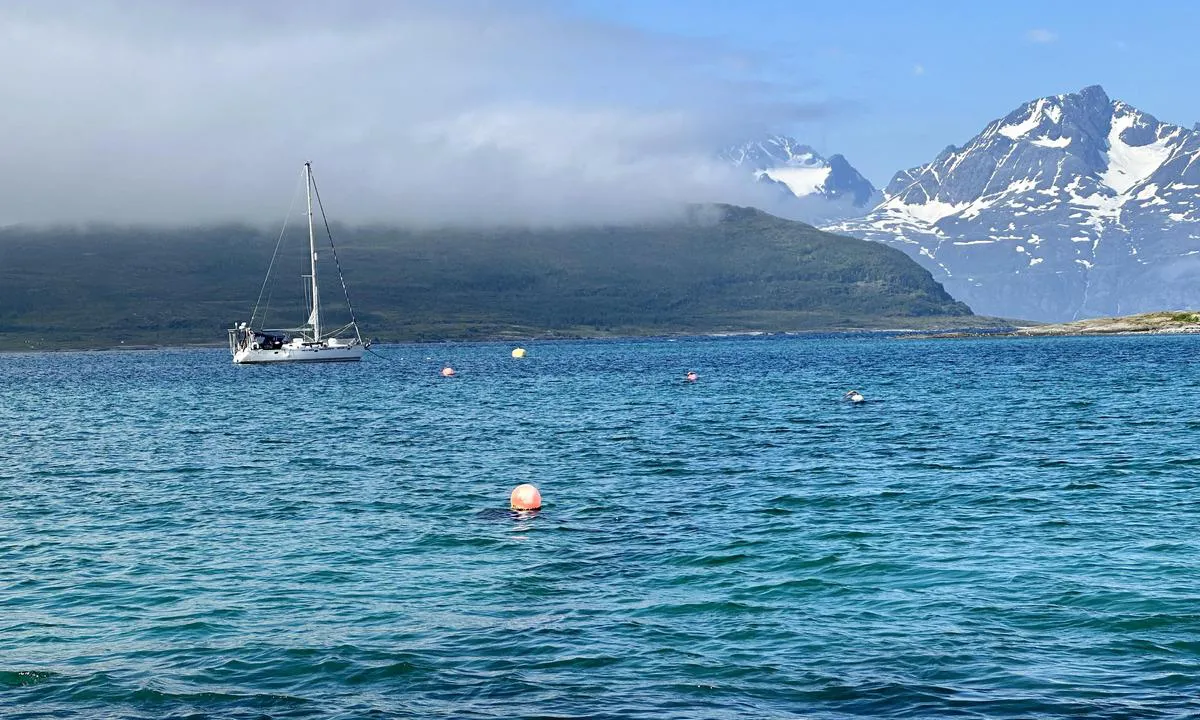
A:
x: 1174, y: 322
x: 1156, y: 323
x: 984, y: 324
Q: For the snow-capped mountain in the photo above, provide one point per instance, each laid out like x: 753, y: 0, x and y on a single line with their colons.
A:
x: 812, y: 188
x: 1070, y: 206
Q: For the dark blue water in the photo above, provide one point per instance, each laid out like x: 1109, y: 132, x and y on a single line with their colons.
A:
x: 1007, y: 528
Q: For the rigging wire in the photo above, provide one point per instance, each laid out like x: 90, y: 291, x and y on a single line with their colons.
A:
x: 274, y: 255
x: 336, y: 262
x: 371, y: 350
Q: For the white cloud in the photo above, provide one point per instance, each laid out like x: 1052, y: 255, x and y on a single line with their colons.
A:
x: 468, y: 111
x: 918, y: 69
x: 1041, y: 36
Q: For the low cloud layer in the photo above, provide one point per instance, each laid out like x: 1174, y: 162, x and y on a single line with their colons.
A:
x: 456, y: 112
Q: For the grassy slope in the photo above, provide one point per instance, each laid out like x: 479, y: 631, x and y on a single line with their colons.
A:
x: 750, y: 271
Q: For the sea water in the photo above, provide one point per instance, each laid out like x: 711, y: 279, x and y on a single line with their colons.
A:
x: 1005, y: 528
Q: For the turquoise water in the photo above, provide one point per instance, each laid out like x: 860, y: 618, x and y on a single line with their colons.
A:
x: 1006, y: 529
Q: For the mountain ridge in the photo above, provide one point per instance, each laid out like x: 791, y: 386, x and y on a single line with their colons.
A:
x: 1069, y: 206
x: 726, y: 269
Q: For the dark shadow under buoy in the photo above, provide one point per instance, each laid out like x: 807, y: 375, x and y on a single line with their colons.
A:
x: 504, y: 514
x: 523, y: 504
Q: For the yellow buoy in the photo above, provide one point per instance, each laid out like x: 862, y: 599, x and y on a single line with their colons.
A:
x: 518, y: 352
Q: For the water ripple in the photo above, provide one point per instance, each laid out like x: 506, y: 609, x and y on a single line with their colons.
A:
x: 989, y: 536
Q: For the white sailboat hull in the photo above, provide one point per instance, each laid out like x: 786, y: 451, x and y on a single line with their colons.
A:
x: 307, y: 353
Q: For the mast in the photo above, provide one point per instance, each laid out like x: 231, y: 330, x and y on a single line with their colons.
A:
x: 315, y: 317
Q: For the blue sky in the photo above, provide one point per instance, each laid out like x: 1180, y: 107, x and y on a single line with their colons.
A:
x: 913, y: 77
x: 524, y: 111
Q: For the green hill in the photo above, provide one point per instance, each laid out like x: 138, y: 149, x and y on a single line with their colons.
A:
x: 732, y: 269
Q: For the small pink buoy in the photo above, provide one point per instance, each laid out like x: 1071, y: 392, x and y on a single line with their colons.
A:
x: 525, y: 497
x: 447, y: 371
x: 692, y: 376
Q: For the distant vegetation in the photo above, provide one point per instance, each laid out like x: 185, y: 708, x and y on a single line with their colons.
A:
x: 747, y: 271
x: 1167, y: 321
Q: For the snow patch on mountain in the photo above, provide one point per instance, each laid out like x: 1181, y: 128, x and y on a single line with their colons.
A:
x: 800, y: 180
x: 1022, y: 128
x: 813, y: 188
x: 1061, y: 142
x: 1130, y: 164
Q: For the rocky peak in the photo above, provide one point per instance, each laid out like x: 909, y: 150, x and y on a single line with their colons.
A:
x: 771, y: 152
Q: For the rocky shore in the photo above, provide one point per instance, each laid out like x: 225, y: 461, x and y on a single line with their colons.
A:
x: 1166, y: 322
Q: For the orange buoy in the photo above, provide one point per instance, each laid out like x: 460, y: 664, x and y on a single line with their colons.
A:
x: 692, y: 376
x: 447, y: 371
x: 525, y: 497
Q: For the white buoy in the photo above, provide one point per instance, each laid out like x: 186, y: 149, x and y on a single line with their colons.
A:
x: 518, y: 352
x: 854, y: 396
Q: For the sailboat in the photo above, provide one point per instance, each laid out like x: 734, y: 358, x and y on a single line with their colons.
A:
x: 310, y: 342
